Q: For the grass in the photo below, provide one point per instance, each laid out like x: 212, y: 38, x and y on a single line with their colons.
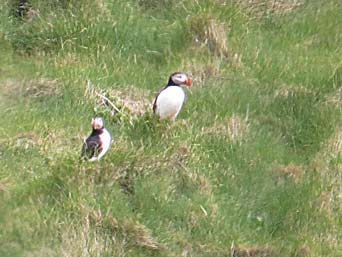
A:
x: 250, y: 168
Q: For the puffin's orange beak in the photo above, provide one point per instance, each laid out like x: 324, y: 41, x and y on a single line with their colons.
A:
x: 188, y: 82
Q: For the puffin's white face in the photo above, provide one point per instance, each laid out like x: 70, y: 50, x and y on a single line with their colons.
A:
x: 181, y: 79
x: 97, y: 123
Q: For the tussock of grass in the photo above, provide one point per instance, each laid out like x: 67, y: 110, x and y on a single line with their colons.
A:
x: 210, y: 33
x: 122, y: 233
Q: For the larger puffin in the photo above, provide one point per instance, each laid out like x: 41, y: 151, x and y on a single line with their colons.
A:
x: 169, y: 101
x: 98, y: 143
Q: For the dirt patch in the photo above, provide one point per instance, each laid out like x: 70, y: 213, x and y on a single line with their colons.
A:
x: 291, y: 171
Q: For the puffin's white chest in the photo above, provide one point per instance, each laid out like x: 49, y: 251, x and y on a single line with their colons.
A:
x: 169, y: 102
x: 105, y: 139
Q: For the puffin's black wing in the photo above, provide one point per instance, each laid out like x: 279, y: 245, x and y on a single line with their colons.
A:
x: 90, y: 147
x: 155, y: 103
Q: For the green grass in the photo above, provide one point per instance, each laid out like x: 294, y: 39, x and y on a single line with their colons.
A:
x: 251, y: 167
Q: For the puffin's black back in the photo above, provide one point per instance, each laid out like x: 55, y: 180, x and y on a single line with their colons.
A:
x: 169, y: 83
x: 92, y: 144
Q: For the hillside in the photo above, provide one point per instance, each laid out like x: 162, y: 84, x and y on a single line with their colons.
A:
x: 251, y: 167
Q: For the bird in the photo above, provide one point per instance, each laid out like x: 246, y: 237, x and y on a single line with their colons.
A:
x: 169, y: 101
x: 98, y: 142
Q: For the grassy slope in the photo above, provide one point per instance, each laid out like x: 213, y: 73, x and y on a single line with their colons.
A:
x: 189, y: 188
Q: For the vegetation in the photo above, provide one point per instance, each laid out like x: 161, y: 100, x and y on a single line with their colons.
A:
x: 251, y: 167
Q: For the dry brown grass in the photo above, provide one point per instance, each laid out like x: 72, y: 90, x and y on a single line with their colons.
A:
x: 141, y: 235
x: 333, y: 147
x: 201, y: 73
x: 328, y: 166
x: 290, y: 90
x: 133, y: 233
x: 41, y: 87
x: 85, y: 241
x: 32, y: 14
x: 131, y: 103
x: 69, y: 60
x: 100, y: 234
x: 335, y: 99
x: 135, y: 100
x: 302, y: 251
x: 291, y: 171
x: 10, y: 87
x: 264, y: 7
x: 210, y: 33
x: 102, y: 5
x: 55, y: 143
x: 5, y: 184
x: 330, y: 200
x: 50, y: 143
x: 234, y: 129
x: 244, y: 251
x: 41, y: 252
x: 35, y: 88
x: 24, y: 140
x: 324, y: 203
x: 204, y: 184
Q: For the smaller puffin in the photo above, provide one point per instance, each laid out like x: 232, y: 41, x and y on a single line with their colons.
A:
x: 169, y: 101
x: 98, y: 143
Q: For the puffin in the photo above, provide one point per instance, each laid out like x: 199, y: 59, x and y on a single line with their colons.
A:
x: 169, y: 101
x: 98, y: 143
